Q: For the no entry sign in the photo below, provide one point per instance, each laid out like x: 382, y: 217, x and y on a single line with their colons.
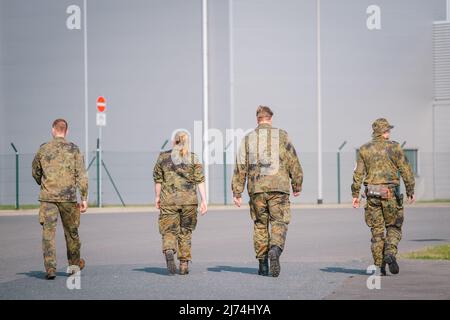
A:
x: 101, y: 104
x: 101, y: 114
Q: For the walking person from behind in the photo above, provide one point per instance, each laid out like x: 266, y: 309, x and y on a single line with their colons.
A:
x: 267, y: 160
x: 177, y: 174
x: 58, y: 167
x: 379, y: 166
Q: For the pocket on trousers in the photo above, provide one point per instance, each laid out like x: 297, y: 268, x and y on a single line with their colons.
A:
x: 286, y: 209
x: 252, y: 210
x: 41, y: 215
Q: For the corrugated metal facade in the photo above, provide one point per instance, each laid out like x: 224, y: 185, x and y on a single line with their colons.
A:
x: 441, y: 60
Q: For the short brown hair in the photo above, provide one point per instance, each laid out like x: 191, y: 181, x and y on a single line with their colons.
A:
x: 264, y: 112
x: 60, y: 125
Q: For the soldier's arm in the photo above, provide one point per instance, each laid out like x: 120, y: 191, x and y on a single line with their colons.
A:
x: 240, y: 171
x: 36, y: 168
x: 295, y: 168
x: 81, y: 176
x: 405, y: 170
x: 199, y: 177
x: 158, y: 175
x: 358, y: 176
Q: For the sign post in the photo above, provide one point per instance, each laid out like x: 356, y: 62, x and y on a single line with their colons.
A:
x: 101, y: 122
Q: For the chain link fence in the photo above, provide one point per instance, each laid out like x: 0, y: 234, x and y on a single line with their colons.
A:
x: 128, y: 177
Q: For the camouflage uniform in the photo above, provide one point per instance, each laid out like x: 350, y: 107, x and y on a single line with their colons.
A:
x: 179, y: 178
x: 379, y: 162
x: 58, y: 168
x: 270, y: 171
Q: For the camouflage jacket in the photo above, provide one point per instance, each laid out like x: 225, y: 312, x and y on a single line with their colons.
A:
x: 379, y: 162
x: 178, y: 177
x: 268, y: 161
x: 58, y: 168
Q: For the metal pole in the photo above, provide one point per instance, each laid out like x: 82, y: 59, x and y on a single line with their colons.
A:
x: 319, y: 112
x: 90, y: 163
x: 205, y: 94
x: 231, y: 54
x: 339, y: 176
x: 112, y: 182
x: 225, y: 177
x: 434, y: 151
x: 339, y: 170
x: 398, y: 188
x: 231, y: 68
x: 163, y: 146
x: 98, y: 172
x: 86, y: 118
x: 17, y: 175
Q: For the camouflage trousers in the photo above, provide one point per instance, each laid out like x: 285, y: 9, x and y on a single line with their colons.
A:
x: 385, y: 219
x: 70, y: 217
x: 270, y: 208
x: 176, y: 224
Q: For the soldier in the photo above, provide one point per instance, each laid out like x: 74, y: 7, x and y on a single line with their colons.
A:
x: 177, y: 173
x: 379, y: 162
x: 58, y: 168
x: 268, y: 161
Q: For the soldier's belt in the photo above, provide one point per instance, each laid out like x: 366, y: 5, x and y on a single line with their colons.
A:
x: 380, y: 191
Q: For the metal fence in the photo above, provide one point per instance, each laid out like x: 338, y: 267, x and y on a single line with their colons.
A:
x: 128, y: 177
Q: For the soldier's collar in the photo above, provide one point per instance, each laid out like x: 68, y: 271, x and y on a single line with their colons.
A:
x: 59, y: 138
x: 378, y: 138
x: 264, y: 125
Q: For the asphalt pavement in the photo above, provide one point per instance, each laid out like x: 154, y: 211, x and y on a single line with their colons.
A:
x: 326, y: 257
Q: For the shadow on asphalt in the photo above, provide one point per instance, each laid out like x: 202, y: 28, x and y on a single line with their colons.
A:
x: 155, y: 270
x: 344, y: 270
x: 40, y: 274
x: 245, y: 270
x: 429, y: 240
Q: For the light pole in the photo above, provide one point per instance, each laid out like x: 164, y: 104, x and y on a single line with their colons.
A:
x: 339, y: 170
x: 205, y: 94
x: 17, y: 174
x: 319, y: 112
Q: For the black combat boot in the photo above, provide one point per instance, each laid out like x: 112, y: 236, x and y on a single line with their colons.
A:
x: 392, y: 262
x: 383, y: 268
x: 263, y: 267
x: 171, y: 267
x: 274, y: 256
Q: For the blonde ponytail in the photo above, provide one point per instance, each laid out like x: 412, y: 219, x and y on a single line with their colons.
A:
x: 182, y: 143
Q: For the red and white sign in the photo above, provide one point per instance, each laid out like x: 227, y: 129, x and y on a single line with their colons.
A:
x: 101, y: 114
x: 101, y: 104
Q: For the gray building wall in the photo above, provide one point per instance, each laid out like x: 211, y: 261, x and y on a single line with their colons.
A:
x: 145, y: 58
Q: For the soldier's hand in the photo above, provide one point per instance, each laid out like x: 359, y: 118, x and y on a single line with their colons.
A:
x: 237, y: 201
x: 411, y: 199
x: 83, y: 206
x: 296, y: 194
x: 355, y: 203
x: 203, y: 207
x: 158, y: 203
